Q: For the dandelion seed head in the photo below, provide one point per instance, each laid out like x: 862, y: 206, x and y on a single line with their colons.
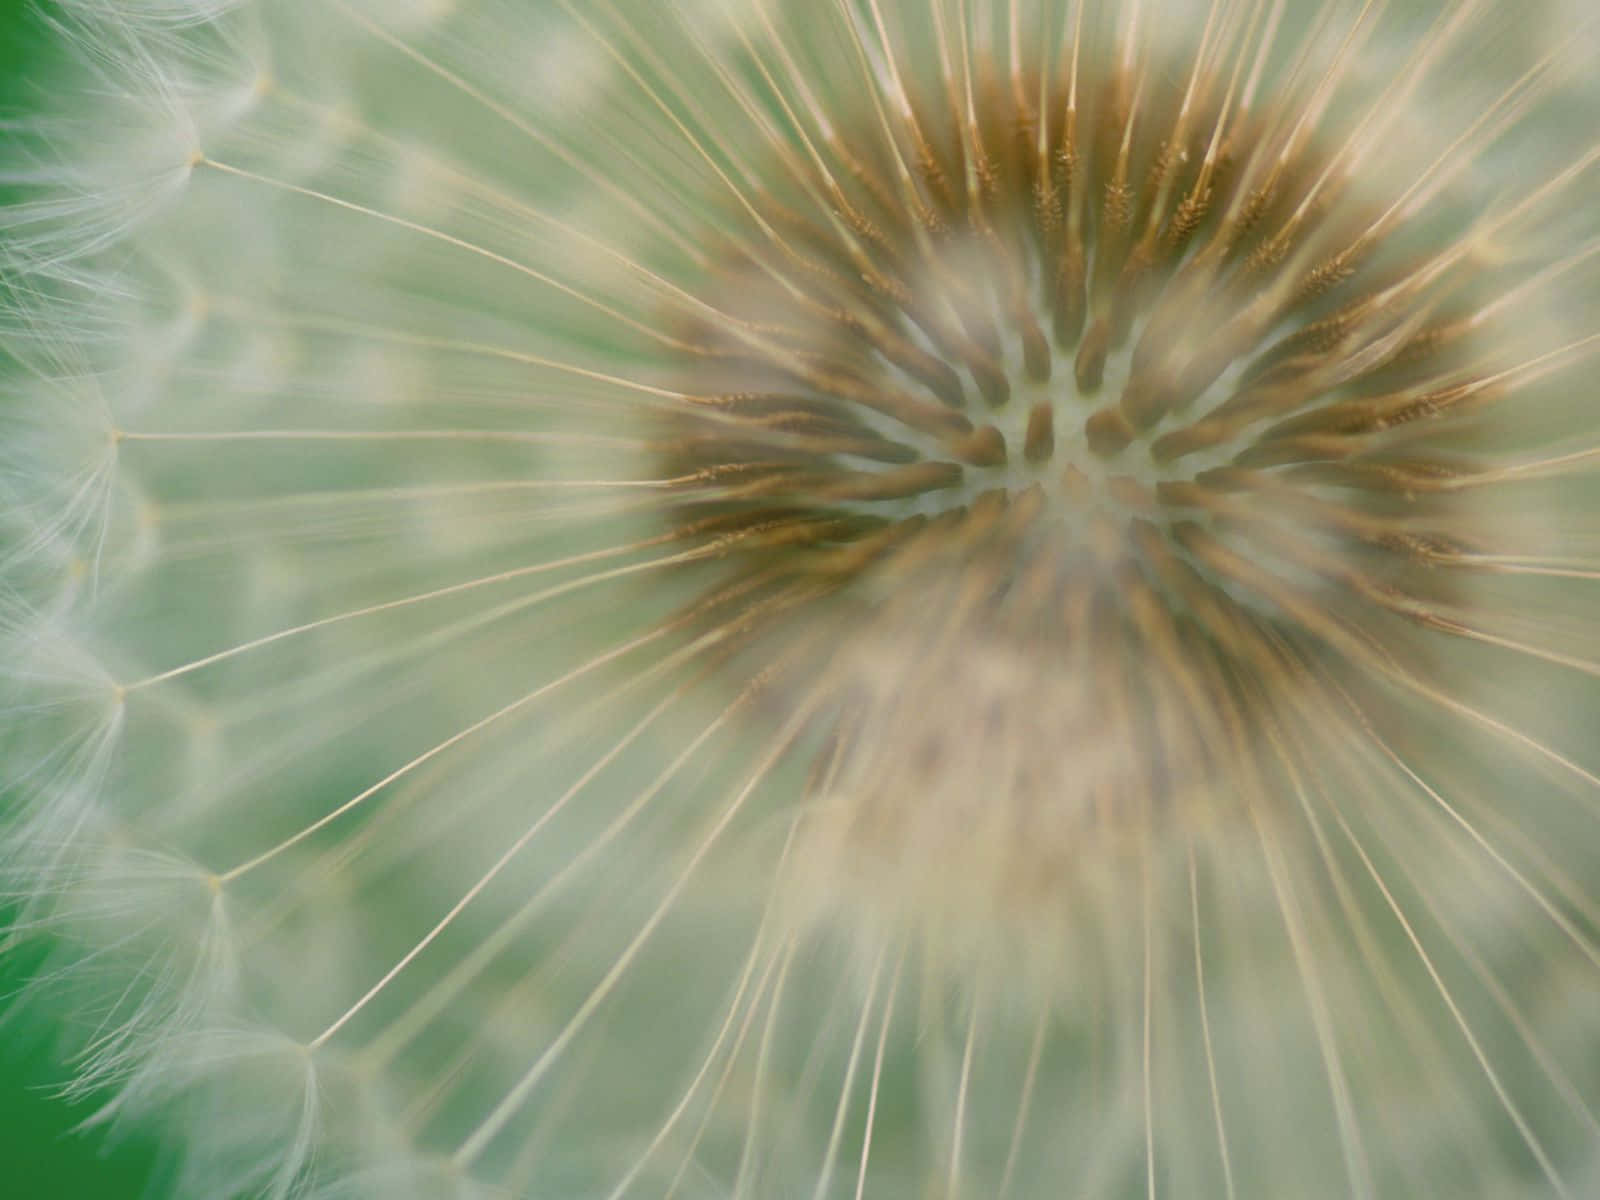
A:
x: 864, y: 599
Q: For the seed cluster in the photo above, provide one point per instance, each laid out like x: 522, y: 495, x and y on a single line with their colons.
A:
x: 1105, y: 376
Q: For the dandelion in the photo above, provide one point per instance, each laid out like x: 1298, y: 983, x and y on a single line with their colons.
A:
x: 861, y: 598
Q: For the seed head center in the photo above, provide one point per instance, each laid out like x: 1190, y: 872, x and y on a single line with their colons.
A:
x: 1045, y: 448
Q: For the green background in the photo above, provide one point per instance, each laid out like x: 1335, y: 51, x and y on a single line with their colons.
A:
x: 42, y: 1155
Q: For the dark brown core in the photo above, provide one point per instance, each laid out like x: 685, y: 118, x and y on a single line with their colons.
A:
x: 1054, y: 435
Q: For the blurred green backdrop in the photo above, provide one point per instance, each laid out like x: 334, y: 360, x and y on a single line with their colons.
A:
x: 41, y: 1155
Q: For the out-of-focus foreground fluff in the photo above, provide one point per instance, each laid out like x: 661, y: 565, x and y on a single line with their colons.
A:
x: 833, y: 598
